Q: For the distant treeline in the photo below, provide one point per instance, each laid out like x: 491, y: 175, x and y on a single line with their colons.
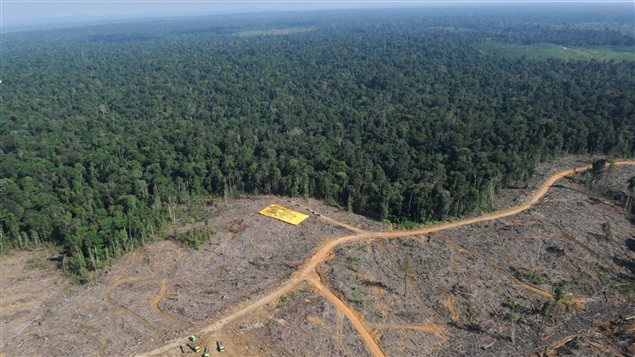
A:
x: 100, y: 139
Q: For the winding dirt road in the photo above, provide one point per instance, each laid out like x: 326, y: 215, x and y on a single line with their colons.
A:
x: 308, y: 271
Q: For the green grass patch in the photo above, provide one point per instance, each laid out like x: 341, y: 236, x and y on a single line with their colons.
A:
x: 409, y: 225
x: 287, y: 297
x: 195, y: 237
x: 357, y: 300
x: 543, y: 51
x: 38, y: 262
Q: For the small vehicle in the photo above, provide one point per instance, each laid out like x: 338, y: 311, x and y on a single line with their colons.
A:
x: 195, y: 347
x: 193, y: 338
x: 206, y: 352
x: 219, y: 346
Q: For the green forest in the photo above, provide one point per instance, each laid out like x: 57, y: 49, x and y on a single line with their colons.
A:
x: 391, y: 114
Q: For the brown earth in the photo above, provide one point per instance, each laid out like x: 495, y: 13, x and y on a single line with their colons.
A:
x: 335, y: 286
x: 480, y: 271
x: 159, y: 291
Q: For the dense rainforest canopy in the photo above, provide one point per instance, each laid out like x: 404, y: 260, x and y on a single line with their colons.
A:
x: 392, y: 114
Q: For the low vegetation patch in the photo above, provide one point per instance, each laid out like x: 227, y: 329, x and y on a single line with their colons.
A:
x: 542, y: 51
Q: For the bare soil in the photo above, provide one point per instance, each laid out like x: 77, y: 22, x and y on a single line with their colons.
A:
x: 485, y: 282
x: 486, y: 288
x: 162, y: 290
x: 303, y: 315
x: 30, y: 284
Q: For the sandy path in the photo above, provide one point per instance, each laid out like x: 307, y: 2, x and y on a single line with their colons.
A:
x: 307, y: 272
x: 357, y: 322
x: 338, y: 336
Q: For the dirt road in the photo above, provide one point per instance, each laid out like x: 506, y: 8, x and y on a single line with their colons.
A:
x: 357, y: 322
x: 307, y: 272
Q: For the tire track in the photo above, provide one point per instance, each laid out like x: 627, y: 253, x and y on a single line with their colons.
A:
x: 154, y: 301
x: 118, y: 281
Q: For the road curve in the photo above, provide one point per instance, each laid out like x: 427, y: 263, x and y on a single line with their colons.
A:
x: 307, y: 271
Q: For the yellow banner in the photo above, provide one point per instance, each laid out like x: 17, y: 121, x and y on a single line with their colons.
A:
x: 283, y: 214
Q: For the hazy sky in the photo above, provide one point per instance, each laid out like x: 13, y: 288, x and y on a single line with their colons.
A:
x: 16, y: 12
x: 33, y: 11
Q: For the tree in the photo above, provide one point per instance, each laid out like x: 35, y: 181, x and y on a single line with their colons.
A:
x: 598, y: 166
x: 512, y: 317
x: 102, y: 110
x: 631, y: 188
x: 606, y: 229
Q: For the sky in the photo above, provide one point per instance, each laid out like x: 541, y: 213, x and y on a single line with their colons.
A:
x: 34, y: 12
x: 16, y: 12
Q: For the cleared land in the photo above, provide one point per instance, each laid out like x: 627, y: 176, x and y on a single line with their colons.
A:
x: 274, y: 32
x: 268, y: 288
x: 550, y: 50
